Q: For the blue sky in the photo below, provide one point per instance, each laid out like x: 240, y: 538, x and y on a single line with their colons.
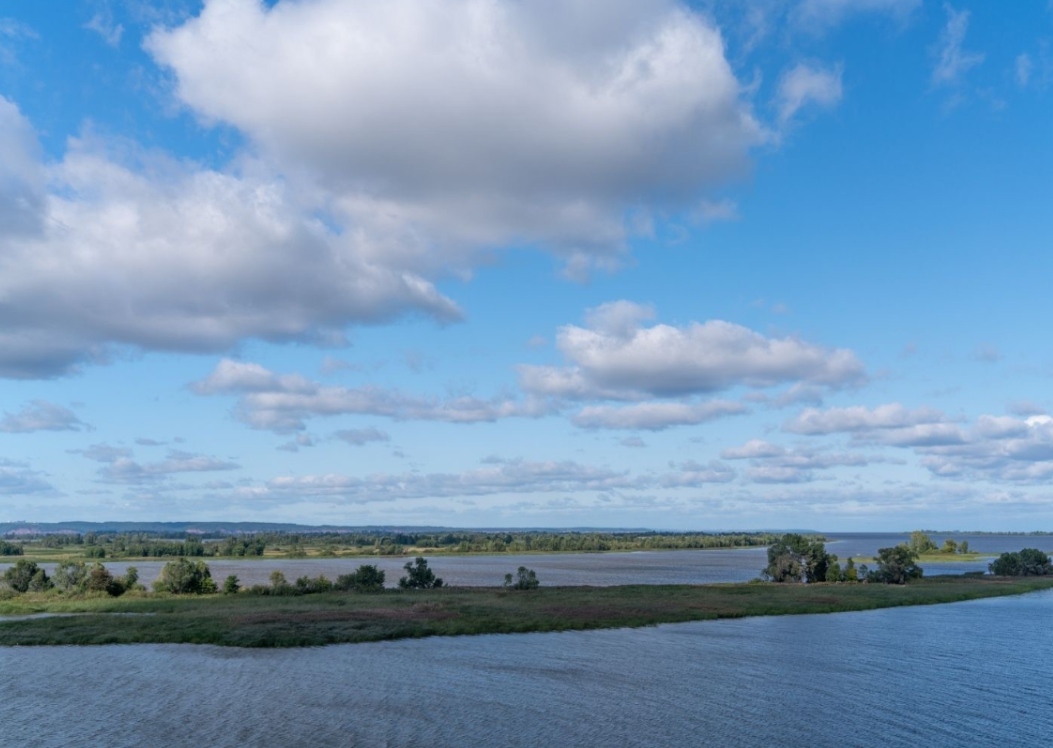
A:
x: 494, y: 263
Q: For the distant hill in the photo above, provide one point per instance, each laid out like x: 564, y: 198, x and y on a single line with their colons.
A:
x: 213, y: 529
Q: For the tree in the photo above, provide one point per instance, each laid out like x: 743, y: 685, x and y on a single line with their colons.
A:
x: 39, y: 582
x: 185, y: 577
x: 308, y: 586
x: 20, y: 577
x: 231, y: 585
x: 795, y: 558
x: 851, y: 575
x: 367, y: 578
x: 896, y: 565
x: 921, y: 543
x: 963, y: 547
x: 99, y: 579
x: 419, y: 576
x: 525, y: 579
x: 1030, y: 562
x: 71, y: 576
x: 949, y: 546
x: 833, y: 571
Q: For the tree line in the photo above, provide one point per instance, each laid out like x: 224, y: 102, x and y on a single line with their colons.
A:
x: 795, y: 558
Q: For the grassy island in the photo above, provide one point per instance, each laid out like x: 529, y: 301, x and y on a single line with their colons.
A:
x: 243, y: 620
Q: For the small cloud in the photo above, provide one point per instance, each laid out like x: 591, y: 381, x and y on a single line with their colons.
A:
x: 986, y: 353
x: 143, y: 442
x: 103, y: 25
x: 780, y: 308
x: 419, y: 362
x: 1026, y: 408
x: 709, y: 211
x: 537, y: 341
x: 634, y: 442
x: 40, y: 415
x: 952, y: 59
x: 910, y: 349
x: 361, y: 437
x: 1024, y: 66
x: 803, y: 85
x: 331, y: 365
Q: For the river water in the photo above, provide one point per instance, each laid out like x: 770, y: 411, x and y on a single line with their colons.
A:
x: 975, y: 673
x: 597, y: 569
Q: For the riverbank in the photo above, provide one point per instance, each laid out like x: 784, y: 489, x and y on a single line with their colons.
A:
x: 244, y: 620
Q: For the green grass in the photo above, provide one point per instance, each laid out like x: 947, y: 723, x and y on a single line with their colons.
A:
x: 249, y: 621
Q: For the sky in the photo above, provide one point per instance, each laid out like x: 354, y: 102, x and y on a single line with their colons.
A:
x: 528, y: 263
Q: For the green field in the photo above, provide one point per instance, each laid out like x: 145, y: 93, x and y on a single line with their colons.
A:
x: 245, y: 620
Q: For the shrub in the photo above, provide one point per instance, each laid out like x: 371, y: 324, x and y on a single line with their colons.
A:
x: 367, y: 578
x: 308, y: 586
x: 419, y: 576
x: 231, y: 585
x: 525, y: 579
x: 23, y: 576
x: 1030, y: 562
x: 71, y: 576
x: 185, y: 577
x: 896, y: 565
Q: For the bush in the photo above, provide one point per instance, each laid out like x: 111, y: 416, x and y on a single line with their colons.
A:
x: 525, y: 579
x: 896, y: 565
x: 308, y: 586
x: 231, y: 585
x: 1030, y: 562
x: 367, y: 578
x: 185, y: 577
x: 419, y: 576
x: 71, y: 576
x: 24, y: 576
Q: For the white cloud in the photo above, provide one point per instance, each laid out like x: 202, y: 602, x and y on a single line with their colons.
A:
x: 103, y: 25
x: 655, y: 416
x: 282, y: 403
x: 710, y: 211
x: 615, y: 355
x: 453, y: 126
x: 1024, y: 67
x: 156, y: 254
x: 819, y: 14
x: 804, y: 85
x: 361, y: 437
x: 123, y: 469
x: 16, y: 479
x: 40, y: 415
x: 813, y: 421
x: 753, y: 449
x: 952, y: 59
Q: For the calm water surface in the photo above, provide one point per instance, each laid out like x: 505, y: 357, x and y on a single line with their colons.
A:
x: 975, y: 674
x: 597, y: 569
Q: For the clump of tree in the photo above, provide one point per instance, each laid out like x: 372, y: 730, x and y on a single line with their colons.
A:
x: 185, y: 577
x: 525, y: 579
x: 896, y: 565
x: 26, y: 576
x: 10, y: 549
x: 1030, y: 562
x: 419, y: 576
x: 795, y: 558
x: 920, y: 543
x: 366, y: 578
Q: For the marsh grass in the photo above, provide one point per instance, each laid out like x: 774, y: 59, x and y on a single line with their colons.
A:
x: 244, y: 620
